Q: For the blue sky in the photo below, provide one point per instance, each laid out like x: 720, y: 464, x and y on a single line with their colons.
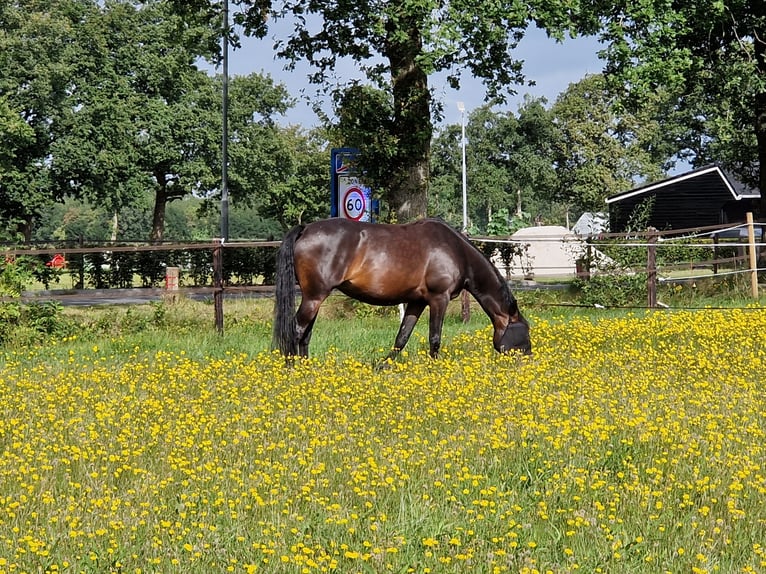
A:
x: 553, y: 66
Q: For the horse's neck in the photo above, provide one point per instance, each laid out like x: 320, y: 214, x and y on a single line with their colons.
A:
x: 485, y: 285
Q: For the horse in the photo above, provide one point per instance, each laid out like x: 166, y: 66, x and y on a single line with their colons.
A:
x: 422, y: 264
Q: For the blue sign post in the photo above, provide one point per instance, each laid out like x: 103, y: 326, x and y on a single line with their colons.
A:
x: 349, y: 198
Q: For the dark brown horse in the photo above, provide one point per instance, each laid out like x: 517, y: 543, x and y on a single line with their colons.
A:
x: 421, y: 264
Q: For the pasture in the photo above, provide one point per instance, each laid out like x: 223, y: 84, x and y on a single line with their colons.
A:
x: 629, y: 442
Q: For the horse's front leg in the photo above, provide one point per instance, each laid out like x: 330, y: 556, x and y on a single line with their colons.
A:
x: 412, y: 313
x: 438, y: 308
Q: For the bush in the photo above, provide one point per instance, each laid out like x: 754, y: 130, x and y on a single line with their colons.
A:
x: 34, y: 323
x: 612, y: 290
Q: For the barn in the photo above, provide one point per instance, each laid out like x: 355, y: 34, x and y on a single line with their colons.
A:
x: 698, y: 198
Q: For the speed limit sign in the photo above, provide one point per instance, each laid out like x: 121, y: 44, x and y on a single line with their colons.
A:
x: 354, y: 203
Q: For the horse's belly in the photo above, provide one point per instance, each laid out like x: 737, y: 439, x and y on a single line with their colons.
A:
x: 377, y: 293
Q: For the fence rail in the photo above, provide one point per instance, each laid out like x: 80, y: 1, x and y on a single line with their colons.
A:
x: 649, y: 241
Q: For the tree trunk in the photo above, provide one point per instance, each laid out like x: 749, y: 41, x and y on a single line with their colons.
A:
x: 158, y: 218
x: 25, y: 228
x: 115, y: 226
x: 412, y: 127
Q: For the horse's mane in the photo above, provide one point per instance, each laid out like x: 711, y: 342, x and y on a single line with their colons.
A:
x: 504, y: 289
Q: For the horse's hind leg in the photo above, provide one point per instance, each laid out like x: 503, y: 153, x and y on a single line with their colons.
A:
x: 411, y: 315
x: 304, y: 320
x: 438, y: 308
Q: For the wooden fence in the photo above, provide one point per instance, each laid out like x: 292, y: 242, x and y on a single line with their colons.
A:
x: 649, y: 241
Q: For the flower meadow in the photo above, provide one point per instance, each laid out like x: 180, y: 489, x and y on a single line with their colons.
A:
x: 630, y: 444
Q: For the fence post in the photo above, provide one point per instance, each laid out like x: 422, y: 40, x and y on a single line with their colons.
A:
x: 171, y: 284
x: 81, y: 266
x: 715, y: 254
x: 583, y: 263
x: 218, y: 284
x: 465, y: 306
x: 651, y: 268
x: 753, y: 257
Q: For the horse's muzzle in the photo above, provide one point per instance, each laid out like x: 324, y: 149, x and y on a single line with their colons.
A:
x: 516, y: 337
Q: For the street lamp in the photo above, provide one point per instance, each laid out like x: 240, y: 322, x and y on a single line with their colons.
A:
x: 461, y: 108
x: 225, y: 126
x: 465, y: 304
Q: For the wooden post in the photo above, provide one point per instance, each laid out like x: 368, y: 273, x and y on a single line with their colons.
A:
x: 218, y: 284
x: 81, y: 267
x: 651, y: 268
x: 753, y: 258
x: 585, y: 263
x: 715, y: 254
x: 171, y: 284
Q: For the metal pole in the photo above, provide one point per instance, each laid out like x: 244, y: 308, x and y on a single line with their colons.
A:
x: 225, y: 138
x: 218, y: 284
x: 461, y: 107
x: 465, y: 303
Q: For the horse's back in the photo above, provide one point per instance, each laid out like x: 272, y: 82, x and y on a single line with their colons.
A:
x: 374, y: 262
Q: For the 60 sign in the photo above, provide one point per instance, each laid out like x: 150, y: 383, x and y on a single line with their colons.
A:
x: 354, y: 203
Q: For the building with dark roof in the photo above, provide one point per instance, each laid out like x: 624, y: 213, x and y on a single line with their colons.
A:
x: 698, y: 198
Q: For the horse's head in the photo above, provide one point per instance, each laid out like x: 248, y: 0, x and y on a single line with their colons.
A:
x: 515, y: 337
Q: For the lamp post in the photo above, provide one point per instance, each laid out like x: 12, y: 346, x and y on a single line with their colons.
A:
x: 461, y: 108
x: 465, y: 306
x: 225, y: 126
x: 218, y: 250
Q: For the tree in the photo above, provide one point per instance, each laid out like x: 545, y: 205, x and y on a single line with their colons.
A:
x: 709, y: 56
x: 509, y: 163
x: 38, y: 56
x: 301, y: 193
x: 603, y: 149
x: 144, y: 117
x: 398, y: 45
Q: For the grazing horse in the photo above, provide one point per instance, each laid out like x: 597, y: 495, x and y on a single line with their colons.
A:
x: 422, y: 264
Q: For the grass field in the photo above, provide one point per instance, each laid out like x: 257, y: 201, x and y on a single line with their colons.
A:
x: 626, y: 443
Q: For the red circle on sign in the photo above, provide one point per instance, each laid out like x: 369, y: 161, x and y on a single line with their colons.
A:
x: 354, y: 203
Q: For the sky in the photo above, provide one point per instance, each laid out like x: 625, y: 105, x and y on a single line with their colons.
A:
x: 551, y: 65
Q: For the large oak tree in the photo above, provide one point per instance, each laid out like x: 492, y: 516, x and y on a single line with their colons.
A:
x: 398, y: 44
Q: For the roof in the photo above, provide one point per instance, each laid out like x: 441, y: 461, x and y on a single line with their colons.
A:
x: 591, y: 223
x: 737, y: 189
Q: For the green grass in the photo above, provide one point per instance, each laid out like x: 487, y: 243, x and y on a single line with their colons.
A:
x: 628, y: 443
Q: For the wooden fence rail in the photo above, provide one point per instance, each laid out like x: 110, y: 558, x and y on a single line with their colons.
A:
x: 648, y: 240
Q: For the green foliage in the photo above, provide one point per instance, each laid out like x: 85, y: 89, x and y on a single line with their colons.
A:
x: 47, y: 319
x: 16, y: 274
x: 15, y: 133
x: 10, y: 315
x: 509, y: 162
x: 296, y: 190
x: 33, y: 323
x: 503, y: 225
x: 707, y: 57
x: 602, y: 150
x: 612, y: 290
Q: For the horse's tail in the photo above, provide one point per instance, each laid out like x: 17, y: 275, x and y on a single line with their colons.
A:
x: 284, y: 334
